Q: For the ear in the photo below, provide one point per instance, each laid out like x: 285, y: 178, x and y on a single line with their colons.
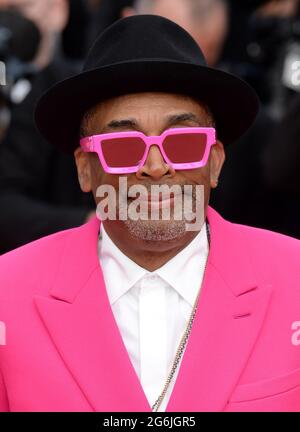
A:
x: 127, y: 12
x: 217, y: 158
x: 83, y: 169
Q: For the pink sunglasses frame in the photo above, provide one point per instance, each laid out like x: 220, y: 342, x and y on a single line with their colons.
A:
x: 93, y: 144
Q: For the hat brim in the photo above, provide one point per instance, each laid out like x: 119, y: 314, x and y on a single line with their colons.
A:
x: 232, y: 101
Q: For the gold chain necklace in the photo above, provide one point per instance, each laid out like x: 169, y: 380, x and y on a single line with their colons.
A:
x: 182, y: 343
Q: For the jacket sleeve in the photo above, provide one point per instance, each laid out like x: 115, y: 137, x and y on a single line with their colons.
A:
x: 3, y: 395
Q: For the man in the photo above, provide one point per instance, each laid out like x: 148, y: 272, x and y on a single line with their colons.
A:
x: 130, y: 334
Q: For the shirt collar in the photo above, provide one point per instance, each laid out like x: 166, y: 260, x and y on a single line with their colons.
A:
x: 184, y: 272
x: 120, y: 272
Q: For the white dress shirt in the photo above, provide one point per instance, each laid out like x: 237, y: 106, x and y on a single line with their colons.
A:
x: 152, y: 309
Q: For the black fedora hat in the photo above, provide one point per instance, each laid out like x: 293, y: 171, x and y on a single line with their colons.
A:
x: 139, y: 54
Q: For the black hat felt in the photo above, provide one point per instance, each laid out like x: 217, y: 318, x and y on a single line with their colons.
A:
x: 144, y: 53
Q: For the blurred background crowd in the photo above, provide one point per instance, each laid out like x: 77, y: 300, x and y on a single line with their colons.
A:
x: 45, y: 41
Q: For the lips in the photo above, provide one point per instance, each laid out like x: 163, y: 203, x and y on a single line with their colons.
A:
x: 156, y: 201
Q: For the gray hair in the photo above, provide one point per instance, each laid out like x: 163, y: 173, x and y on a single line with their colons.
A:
x: 85, y: 122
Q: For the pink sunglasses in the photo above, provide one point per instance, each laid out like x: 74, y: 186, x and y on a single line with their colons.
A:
x: 126, y: 152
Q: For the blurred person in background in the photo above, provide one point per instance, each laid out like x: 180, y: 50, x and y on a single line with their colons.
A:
x: 39, y: 192
x: 205, y: 20
x: 263, y: 42
x: 278, y: 28
x: 17, y: 60
x: 50, y: 16
x: 268, y: 57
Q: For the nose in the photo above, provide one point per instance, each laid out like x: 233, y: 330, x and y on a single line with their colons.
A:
x: 155, y: 165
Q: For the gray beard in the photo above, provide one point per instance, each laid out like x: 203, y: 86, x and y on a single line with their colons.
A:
x: 156, y: 230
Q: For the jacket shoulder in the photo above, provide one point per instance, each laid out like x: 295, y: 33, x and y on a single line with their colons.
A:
x: 258, y: 241
x: 271, y: 242
x: 274, y: 256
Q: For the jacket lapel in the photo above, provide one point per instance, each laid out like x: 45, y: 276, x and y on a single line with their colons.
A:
x: 230, y: 313
x: 81, y: 324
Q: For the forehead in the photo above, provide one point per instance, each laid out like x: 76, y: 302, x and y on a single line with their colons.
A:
x: 148, y: 103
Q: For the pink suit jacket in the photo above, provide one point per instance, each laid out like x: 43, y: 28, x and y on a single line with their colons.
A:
x: 64, y: 352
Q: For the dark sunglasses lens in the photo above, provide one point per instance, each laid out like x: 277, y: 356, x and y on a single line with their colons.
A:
x: 123, y: 152
x: 185, y: 148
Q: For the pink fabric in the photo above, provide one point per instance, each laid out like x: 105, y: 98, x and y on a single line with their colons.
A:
x: 64, y: 351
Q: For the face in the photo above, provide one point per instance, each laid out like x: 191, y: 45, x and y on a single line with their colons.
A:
x: 149, y: 113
